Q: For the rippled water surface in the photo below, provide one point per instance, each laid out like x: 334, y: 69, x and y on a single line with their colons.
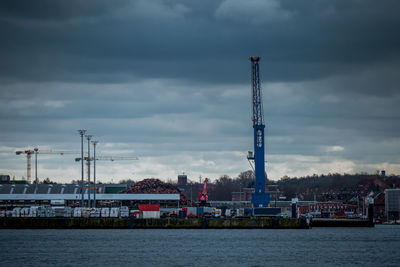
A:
x: 379, y: 246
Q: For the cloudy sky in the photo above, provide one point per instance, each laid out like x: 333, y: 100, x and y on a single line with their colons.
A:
x: 169, y: 82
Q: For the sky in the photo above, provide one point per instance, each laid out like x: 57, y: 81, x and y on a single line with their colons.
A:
x: 169, y: 82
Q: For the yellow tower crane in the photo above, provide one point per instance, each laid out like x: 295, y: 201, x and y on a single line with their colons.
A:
x: 36, y: 151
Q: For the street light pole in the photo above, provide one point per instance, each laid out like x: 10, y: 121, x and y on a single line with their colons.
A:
x: 88, y: 137
x: 94, y: 171
x: 82, y: 133
x: 36, y: 178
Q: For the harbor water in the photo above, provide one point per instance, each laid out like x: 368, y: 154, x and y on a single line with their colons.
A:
x: 378, y: 246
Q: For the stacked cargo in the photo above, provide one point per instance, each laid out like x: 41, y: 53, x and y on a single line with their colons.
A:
x: 227, y: 213
x: 41, y: 211
x: 58, y: 211
x: 33, y: 211
x: 200, y: 211
x: 114, y: 212
x: 207, y: 211
x: 216, y: 213
x: 233, y: 212
x: 16, y: 212
x: 144, y: 211
x: 86, y: 212
x: 181, y: 213
x: 77, y: 212
x: 105, y: 212
x: 192, y: 211
x: 95, y: 212
x: 68, y: 212
x: 135, y: 213
x: 24, y: 212
x: 49, y: 212
x: 124, y: 212
x: 168, y: 212
x: 149, y: 211
x: 155, y: 186
x: 240, y: 212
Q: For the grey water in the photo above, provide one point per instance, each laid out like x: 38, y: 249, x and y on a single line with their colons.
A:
x: 379, y: 246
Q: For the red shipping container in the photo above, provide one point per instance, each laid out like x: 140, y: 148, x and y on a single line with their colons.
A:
x: 149, y: 207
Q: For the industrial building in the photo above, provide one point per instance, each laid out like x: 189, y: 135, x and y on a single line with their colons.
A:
x: 245, y: 194
x: 392, y: 204
x: 106, y: 195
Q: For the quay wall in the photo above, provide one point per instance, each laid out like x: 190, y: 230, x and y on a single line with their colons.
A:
x: 342, y: 223
x: 163, y: 223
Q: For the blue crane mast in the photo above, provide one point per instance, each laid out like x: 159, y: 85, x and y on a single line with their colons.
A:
x: 259, y: 198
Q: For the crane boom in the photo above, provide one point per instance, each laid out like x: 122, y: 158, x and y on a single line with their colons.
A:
x: 108, y: 158
x: 259, y: 198
x: 111, y: 158
x: 258, y: 110
x: 116, y: 158
x: 36, y: 151
x: 57, y: 152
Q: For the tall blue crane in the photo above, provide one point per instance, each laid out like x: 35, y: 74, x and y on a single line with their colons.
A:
x: 259, y: 198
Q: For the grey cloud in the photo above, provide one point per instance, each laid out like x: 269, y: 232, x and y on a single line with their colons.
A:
x: 55, y: 9
x: 310, y: 45
x: 254, y: 12
x: 172, y: 77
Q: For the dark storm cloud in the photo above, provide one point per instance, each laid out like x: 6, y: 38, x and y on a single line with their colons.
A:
x: 172, y: 77
x: 192, y: 41
x: 48, y: 10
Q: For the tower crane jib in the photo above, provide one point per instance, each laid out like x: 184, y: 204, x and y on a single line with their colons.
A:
x: 37, y: 151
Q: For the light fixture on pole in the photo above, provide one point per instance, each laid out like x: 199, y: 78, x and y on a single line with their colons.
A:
x: 94, y: 172
x: 88, y: 137
x: 82, y: 133
x: 36, y: 178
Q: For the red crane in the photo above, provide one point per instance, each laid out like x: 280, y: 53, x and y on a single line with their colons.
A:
x: 203, y: 196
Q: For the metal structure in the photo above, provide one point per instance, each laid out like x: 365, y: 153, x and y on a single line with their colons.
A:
x: 259, y: 198
x: 88, y: 137
x: 82, y: 133
x: 94, y: 172
x: 36, y: 151
x: 110, y: 158
x: 203, y: 195
x: 28, y: 153
x: 36, y: 177
x: 94, y: 159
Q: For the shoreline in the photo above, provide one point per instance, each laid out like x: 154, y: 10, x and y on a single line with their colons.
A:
x: 163, y: 223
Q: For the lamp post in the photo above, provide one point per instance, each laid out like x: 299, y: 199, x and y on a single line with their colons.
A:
x: 88, y: 137
x: 36, y: 178
x: 82, y: 133
x: 94, y: 171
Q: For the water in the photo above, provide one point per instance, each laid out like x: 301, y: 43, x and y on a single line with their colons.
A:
x: 377, y: 246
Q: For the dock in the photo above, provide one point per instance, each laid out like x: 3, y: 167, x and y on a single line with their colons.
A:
x: 162, y: 223
x: 321, y: 222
